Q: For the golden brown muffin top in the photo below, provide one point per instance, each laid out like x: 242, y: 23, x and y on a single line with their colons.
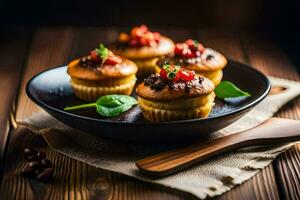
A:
x: 157, y: 89
x: 164, y: 46
x: 100, y: 72
x: 209, y: 60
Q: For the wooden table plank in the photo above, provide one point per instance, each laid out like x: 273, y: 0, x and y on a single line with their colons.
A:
x: 50, y: 48
x: 288, y: 173
x: 13, y: 50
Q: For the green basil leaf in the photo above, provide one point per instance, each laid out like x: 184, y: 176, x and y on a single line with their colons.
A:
x: 226, y: 89
x: 109, y: 101
x: 113, y: 100
x: 109, y: 105
x: 113, y: 111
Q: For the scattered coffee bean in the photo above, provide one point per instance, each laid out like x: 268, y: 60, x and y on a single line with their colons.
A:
x: 27, y: 153
x: 36, y: 165
x: 30, y: 154
x: 41, y: 155
x: 32, y: 158
x: 45, y: 175
x: 46, y: 162
x: 27, y: 171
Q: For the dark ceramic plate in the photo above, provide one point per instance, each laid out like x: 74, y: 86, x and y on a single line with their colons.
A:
x: 52, y: 92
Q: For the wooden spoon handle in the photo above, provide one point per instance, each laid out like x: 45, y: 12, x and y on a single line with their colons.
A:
x: 274, y: 130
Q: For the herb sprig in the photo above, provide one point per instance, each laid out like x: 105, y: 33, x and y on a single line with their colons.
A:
x: 226, y: 89
x: 109, y: 105
x: 103, y: 52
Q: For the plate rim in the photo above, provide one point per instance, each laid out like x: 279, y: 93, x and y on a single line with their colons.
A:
x: 238, y: 110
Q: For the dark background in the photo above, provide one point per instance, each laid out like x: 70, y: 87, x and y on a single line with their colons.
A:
x: 279, y: 19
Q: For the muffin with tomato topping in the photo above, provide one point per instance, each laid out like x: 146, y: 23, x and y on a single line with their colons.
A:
x: 204, y: 61
x: 175, y: 94
x: 101, y: 73
x: 144, y: 48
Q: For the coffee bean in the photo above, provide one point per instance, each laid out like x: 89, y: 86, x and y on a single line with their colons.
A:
x: 27, y: 152
x: 41, y: 155
x: 45, y: 175
x: 46, y: 162
x: 27, y: 171
x: 36, y: 165
x: 30, y: 154
x: 31, y: 158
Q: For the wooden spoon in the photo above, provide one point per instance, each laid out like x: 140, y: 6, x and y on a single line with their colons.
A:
x: 274, y: 130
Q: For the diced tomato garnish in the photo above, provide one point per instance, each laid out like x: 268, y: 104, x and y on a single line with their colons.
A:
x: 134, y: 42
x: 188, y: 53
x: 144, y: 41
x: 190, y: 43
x: 163, y: 73
x: 157, y: 36
x: 95, y: 57
x: 189, y: 49
x: 136, y: 32
x: 144, y: 28
x: 112, y: 60
x: 201, y: 48
x: 186, y: 75
x: 141, y: 36
x: 178, y: 49
x: 123, y: 37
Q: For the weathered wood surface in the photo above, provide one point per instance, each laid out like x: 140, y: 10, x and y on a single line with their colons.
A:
x: 75, y: 180
x: 13, y: 52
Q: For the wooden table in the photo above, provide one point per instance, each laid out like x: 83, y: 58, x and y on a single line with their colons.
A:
x: 27, y: 51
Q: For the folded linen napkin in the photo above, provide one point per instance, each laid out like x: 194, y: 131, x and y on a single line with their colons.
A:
x: 209, y: 178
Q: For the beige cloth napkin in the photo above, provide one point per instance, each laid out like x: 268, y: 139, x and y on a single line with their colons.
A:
x: 209, y: 178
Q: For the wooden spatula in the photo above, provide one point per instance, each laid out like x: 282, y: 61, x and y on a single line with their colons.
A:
x: 274, y: 130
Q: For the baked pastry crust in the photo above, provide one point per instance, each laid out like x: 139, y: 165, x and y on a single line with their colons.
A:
x: 92, y: 80
x: 198, y: 87
x: 125, y: 68
x: 210, y: 60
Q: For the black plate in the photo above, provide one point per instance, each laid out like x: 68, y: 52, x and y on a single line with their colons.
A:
x: 52, y: 92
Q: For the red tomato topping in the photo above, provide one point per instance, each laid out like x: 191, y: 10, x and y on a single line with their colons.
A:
x: 133, y: 42
x: 176, y: 73
x: 156, y: 36
x: 186, y: 75
x: 178, y: 48
x: 95, y: 57
x: 144, y: 28
x: 191, y: 44
x: 163, y: 73
x: 201, y: 48
x: 141, y: 36
x: 112, y: 60
x: 189, y: 49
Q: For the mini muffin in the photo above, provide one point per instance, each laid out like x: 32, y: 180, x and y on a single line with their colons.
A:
x: 175, y: 94
x: 204, y: 61
x: 101, y: 73
x: 144, y: 48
